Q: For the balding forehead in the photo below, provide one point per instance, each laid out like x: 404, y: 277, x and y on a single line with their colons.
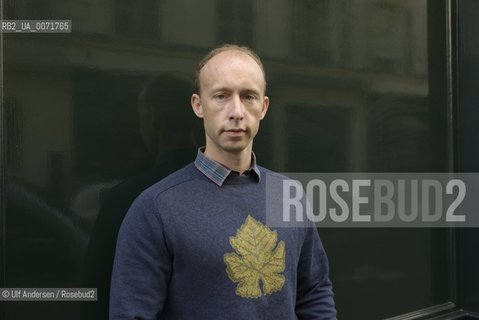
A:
x: 231, y: 54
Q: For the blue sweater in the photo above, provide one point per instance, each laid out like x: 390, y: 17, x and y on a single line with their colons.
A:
x: 192, y: 249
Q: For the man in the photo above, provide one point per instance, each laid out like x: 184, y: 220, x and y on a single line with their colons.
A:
x: 196, y: 245
x: 166, y: 126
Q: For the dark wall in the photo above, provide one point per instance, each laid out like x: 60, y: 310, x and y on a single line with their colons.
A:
x: 468, y: 142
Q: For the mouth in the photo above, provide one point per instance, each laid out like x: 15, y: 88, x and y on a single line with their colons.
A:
x: 235, y: 132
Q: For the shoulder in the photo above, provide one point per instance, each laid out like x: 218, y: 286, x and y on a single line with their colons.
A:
x: 267, y: 174
x: 148, y: 203
x: 178, y: 178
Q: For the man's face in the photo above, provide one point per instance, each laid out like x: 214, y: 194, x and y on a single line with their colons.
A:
x: 231, y: 102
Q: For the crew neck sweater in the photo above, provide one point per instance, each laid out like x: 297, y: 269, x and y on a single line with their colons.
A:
x: 195, y: 247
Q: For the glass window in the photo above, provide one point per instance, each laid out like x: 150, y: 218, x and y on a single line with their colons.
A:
x: 350, y: 91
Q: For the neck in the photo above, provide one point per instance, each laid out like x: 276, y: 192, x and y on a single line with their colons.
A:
x: 240, y: 161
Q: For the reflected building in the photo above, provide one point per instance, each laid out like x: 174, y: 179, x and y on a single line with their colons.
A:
x: 337, y: 57
x: 349, y: 88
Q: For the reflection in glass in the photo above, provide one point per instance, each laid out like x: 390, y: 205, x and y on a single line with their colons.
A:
x: 348, y: 82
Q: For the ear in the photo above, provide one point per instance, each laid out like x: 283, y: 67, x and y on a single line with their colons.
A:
x: 265, y: 107
x: 196, y: 105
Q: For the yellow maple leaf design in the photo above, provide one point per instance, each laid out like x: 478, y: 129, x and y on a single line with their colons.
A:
x: 256, y: 259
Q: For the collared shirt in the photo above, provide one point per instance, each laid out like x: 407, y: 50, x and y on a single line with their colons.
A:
x: 218, y: 173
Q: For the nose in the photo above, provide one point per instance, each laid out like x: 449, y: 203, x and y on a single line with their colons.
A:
x: 236, y: 108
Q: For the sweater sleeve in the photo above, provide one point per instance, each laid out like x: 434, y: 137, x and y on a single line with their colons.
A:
x: 314, y: 293
x: 142, y: 265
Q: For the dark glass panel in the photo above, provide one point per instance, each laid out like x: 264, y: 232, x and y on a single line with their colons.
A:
x: 468, y: 146
x: 350, y: 91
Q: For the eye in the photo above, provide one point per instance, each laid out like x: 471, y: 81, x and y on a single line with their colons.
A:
x: 220, y: 96
x: 250, y: 97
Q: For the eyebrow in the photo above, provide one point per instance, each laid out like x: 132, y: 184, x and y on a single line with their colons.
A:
x: 246, y: 90
x: 252, y: 91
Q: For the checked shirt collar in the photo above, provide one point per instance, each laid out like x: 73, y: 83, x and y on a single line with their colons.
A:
x: 218, y: 173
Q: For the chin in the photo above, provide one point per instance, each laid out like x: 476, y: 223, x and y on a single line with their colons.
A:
x: 234, y: 148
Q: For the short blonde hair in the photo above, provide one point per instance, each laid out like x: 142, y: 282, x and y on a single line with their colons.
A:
x: 223, y: 48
